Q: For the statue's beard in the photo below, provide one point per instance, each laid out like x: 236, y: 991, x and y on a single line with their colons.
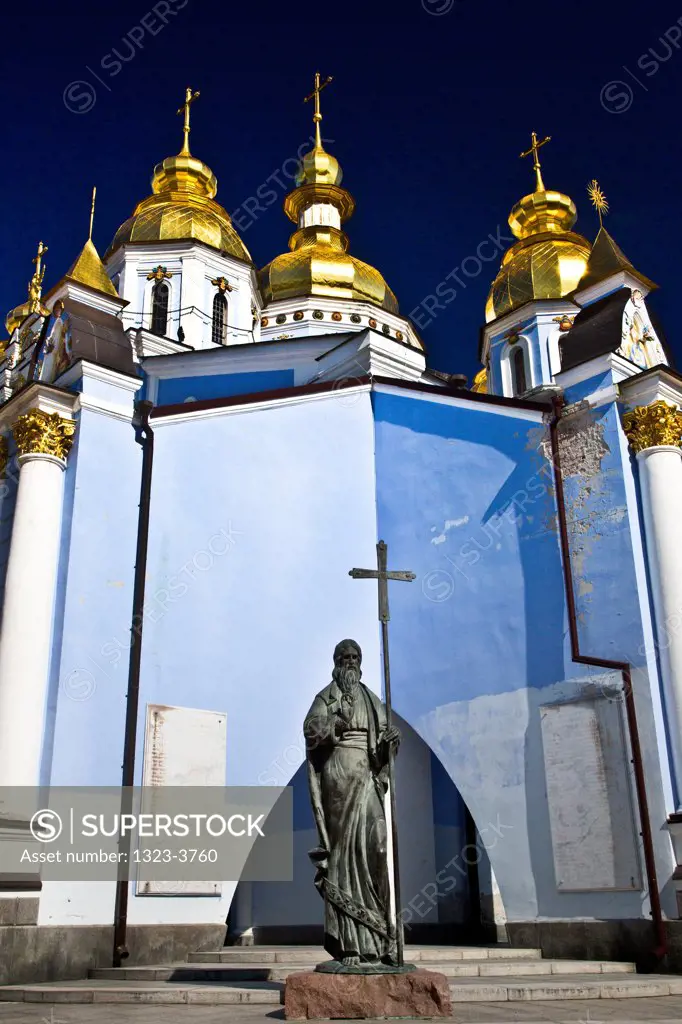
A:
x: 347, y: 678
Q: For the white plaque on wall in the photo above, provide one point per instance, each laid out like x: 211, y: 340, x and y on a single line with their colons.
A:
x: 589, y: 796
x: 183, y: 747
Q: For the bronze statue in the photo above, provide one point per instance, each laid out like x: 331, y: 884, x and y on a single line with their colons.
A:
x: 348, y: 748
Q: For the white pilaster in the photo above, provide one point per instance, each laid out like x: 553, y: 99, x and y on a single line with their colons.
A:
x: 26, y: 636
x: 43, y: 435
x: 660, y: 474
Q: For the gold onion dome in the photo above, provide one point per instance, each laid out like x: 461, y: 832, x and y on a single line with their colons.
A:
x: 16, y: 316
x: 318, y: 262
x: 318, y: 167
x: 182, y: 205
x: 549, y: 259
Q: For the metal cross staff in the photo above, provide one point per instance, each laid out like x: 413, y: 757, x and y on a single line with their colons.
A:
x: 383, y: 576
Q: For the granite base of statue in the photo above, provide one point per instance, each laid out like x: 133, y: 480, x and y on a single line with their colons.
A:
x: 350, y: 746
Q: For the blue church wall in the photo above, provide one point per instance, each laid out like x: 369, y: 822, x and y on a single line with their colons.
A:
x: 89, y: 673
x: 585, y: 388
x: 479, y: 641
x: 614, y: 614
x: 83, y: 743
x: 609, y: 620
x: 174, y: 390
x: 257, y: 515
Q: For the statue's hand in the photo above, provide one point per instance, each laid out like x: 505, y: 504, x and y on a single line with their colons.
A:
x: 345, y: 711
x: 342, y: 723
x: 392, y: 737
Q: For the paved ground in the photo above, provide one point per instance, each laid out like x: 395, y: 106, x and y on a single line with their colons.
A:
x: 666, y: 1010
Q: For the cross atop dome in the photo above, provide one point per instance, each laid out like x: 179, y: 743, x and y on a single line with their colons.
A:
x: 190, y: 97
x: 534, y: 147
x: 315, y: 94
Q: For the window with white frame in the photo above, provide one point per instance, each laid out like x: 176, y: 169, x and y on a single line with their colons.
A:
x: 516, y: 370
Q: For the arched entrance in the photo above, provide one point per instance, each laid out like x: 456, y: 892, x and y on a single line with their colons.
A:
x: 447, y: 886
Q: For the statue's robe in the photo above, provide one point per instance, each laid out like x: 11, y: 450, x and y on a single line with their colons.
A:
x: 348, y: 778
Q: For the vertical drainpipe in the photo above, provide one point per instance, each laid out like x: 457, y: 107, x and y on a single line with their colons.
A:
x: 624, y: 667
x: 144, y: 437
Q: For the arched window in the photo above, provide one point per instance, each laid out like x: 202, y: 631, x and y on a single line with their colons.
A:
x: 160, y: 297
x: 517, y: 365
x: 219, y: 328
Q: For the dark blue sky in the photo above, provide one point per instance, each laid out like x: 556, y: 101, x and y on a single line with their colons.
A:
x: 431, y: 104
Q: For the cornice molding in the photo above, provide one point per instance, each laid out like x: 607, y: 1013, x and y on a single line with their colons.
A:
x: 660, y: 384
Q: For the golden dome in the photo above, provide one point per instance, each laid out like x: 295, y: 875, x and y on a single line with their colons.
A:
x: 480, y: 382
x: 318, y: 262
x: 318, y: 167
x: 16, y: 316
x: 182, y: 205
x: 548, y: 260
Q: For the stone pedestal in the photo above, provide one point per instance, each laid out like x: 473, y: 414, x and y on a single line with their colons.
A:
x: 312, y: 994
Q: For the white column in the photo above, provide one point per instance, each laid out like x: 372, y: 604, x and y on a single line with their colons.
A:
x: 26, y: 636
x: 660, y: 474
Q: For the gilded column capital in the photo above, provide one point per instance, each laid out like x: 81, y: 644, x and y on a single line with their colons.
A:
x: 43, y: 433
x: 649, y: 426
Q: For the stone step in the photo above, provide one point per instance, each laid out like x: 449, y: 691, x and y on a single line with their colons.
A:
x: 208, y: 973
x: 463, y: 990
x: 315, y: 954
x: 142, y: 992
x: 581, y: 986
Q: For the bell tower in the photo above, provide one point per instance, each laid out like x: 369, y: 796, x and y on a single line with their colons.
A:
x: 528, y: 306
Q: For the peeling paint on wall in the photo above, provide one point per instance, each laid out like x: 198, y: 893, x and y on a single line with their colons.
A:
x: 589, y: 509
x: 581, y: 443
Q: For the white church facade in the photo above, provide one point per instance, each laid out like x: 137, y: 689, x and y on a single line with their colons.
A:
x: 196, y: 452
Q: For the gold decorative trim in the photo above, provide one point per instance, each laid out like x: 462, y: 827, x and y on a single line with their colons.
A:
x: 158, y: 274
x: 42, y: 433
x: 221, y: 283
x: 649, y: 426
x: 4, y: 456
